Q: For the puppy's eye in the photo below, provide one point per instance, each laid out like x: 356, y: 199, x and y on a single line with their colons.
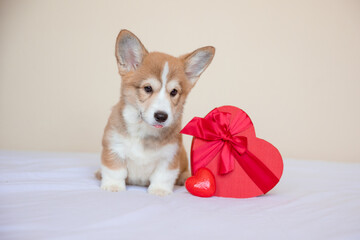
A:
x: 173, y: 93
x: 148, y: 89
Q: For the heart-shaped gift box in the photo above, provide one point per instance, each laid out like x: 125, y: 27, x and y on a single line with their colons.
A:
x: 224, y: 141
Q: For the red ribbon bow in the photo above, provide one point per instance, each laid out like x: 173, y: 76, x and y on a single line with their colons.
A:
x: 225, y: 136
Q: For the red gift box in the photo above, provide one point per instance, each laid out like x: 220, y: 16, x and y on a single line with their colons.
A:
x: 225, y: 142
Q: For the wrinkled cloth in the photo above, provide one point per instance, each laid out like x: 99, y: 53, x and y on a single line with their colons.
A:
x: 56, y: 196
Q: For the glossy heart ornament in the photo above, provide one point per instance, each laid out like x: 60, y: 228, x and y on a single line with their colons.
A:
x: 202, y: 184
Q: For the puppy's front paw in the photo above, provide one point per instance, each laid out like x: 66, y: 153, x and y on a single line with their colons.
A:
x: 159, y: 191
x: 113, y: 187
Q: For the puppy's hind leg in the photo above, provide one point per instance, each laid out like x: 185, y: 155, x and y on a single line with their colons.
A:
x: 184, y: 167
x: 180, y: 181
x: 98, y: 174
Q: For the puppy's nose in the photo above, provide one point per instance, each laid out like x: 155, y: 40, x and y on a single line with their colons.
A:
x: 160, y: 116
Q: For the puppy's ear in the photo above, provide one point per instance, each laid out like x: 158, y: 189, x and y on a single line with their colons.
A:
x: 197, y: 61
x: 129, y: 51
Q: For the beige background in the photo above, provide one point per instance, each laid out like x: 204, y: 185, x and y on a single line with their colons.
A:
x: 293, y: 66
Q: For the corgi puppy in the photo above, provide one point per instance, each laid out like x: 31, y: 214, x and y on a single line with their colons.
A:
x: 141, y: 143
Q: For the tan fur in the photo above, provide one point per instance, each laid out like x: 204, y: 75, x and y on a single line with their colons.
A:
x: 132, y: 90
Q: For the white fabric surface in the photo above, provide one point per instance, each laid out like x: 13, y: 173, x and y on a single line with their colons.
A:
x: 55, y: 196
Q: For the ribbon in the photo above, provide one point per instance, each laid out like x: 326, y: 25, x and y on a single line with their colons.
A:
x: 225, y: 137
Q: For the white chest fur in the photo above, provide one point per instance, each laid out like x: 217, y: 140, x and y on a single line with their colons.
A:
x: 141, y: 161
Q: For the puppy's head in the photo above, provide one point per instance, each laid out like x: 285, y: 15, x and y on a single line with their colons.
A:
x: 157, y: 84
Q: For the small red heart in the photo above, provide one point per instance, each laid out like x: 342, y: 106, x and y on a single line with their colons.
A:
x: 202, y: 184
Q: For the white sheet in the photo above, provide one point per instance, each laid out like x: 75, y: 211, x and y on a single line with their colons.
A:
x: 55, y: 196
